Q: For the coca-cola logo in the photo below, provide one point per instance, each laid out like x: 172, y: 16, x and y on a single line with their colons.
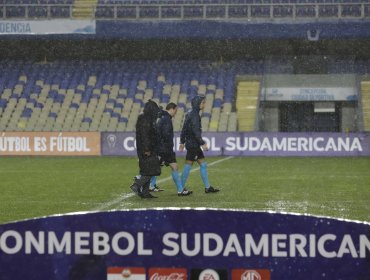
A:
x: 172, y: 276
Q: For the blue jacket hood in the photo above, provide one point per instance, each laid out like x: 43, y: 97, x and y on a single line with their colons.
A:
x: 195, y: 102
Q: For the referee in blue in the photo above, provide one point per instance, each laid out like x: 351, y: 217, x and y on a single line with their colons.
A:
x: 165, y: 147
x: 191, y: 139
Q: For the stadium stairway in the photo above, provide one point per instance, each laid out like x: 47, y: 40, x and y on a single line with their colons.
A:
x: 365, y: 93
x: 246, y: 104
x: 84, y: 8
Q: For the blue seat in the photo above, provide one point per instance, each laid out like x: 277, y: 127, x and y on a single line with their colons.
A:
x: 141, y: 102
x: 74, y: 105
x: 32, y: 101
x: 112, y: 101
x: 87, y: 120
x: 118, y: 105
x: 27, y: 113
x: 52, y: 115
x: 39, y: 105
x: 108, y: 110
x: 52, y: 94
x: 217, y: 103
x: 123, y: 120
x: 3, y: 103
x: 59, y: 98
x: 115, y: 115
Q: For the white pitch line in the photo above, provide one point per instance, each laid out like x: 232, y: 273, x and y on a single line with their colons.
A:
x: 125, y: 196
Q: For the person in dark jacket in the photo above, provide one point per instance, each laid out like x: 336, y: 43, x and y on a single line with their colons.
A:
x: 166, y: 152
x: 191, y: 139
x: 147, y: 145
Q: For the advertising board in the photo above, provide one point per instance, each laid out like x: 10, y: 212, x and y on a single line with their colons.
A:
x: 185, y: 244
x: 258, y: 144
x: 49, y: 143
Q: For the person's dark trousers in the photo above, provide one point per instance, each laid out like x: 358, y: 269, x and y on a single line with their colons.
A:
x: 143, y: 184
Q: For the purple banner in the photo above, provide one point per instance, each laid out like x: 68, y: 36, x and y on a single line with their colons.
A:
x: 224, y: 244
x: 258, y: 144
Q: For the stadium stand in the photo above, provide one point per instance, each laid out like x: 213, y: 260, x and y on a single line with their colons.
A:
x: 97, y: 95
x: 109, y: 95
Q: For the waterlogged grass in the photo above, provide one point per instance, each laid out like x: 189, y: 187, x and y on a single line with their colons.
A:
x: 39, y: 186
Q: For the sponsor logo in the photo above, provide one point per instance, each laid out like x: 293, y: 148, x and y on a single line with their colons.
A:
x: 208, y: 274
x: 167, y: 274
x: 126, y: 273
x: 251, y: 274
x: 111, y: 139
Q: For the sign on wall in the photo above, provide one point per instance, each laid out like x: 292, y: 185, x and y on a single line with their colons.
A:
x: 49, y: 143
x: 185, y: 244
x: 258, y: 144
x: 40, y: 27
x: 309, y: 94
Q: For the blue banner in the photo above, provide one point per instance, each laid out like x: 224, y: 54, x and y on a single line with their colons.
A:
x: 185, y: 244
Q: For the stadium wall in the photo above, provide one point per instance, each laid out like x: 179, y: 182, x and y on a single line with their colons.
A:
x: 224, y: 30
x: 191, y: 29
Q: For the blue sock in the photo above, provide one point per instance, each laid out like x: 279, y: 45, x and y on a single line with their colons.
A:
x: 176, y: 179
x: 204, y: 174
x: 153, y: 181
x: 185, y: 174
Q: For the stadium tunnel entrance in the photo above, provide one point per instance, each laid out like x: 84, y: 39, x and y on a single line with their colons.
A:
x: 308, y: 103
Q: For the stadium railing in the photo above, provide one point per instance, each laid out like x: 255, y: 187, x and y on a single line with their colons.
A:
x: 272, y: 11
x: 187, y: 10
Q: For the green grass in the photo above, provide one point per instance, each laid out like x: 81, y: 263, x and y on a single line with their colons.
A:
x: 39, y: 186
